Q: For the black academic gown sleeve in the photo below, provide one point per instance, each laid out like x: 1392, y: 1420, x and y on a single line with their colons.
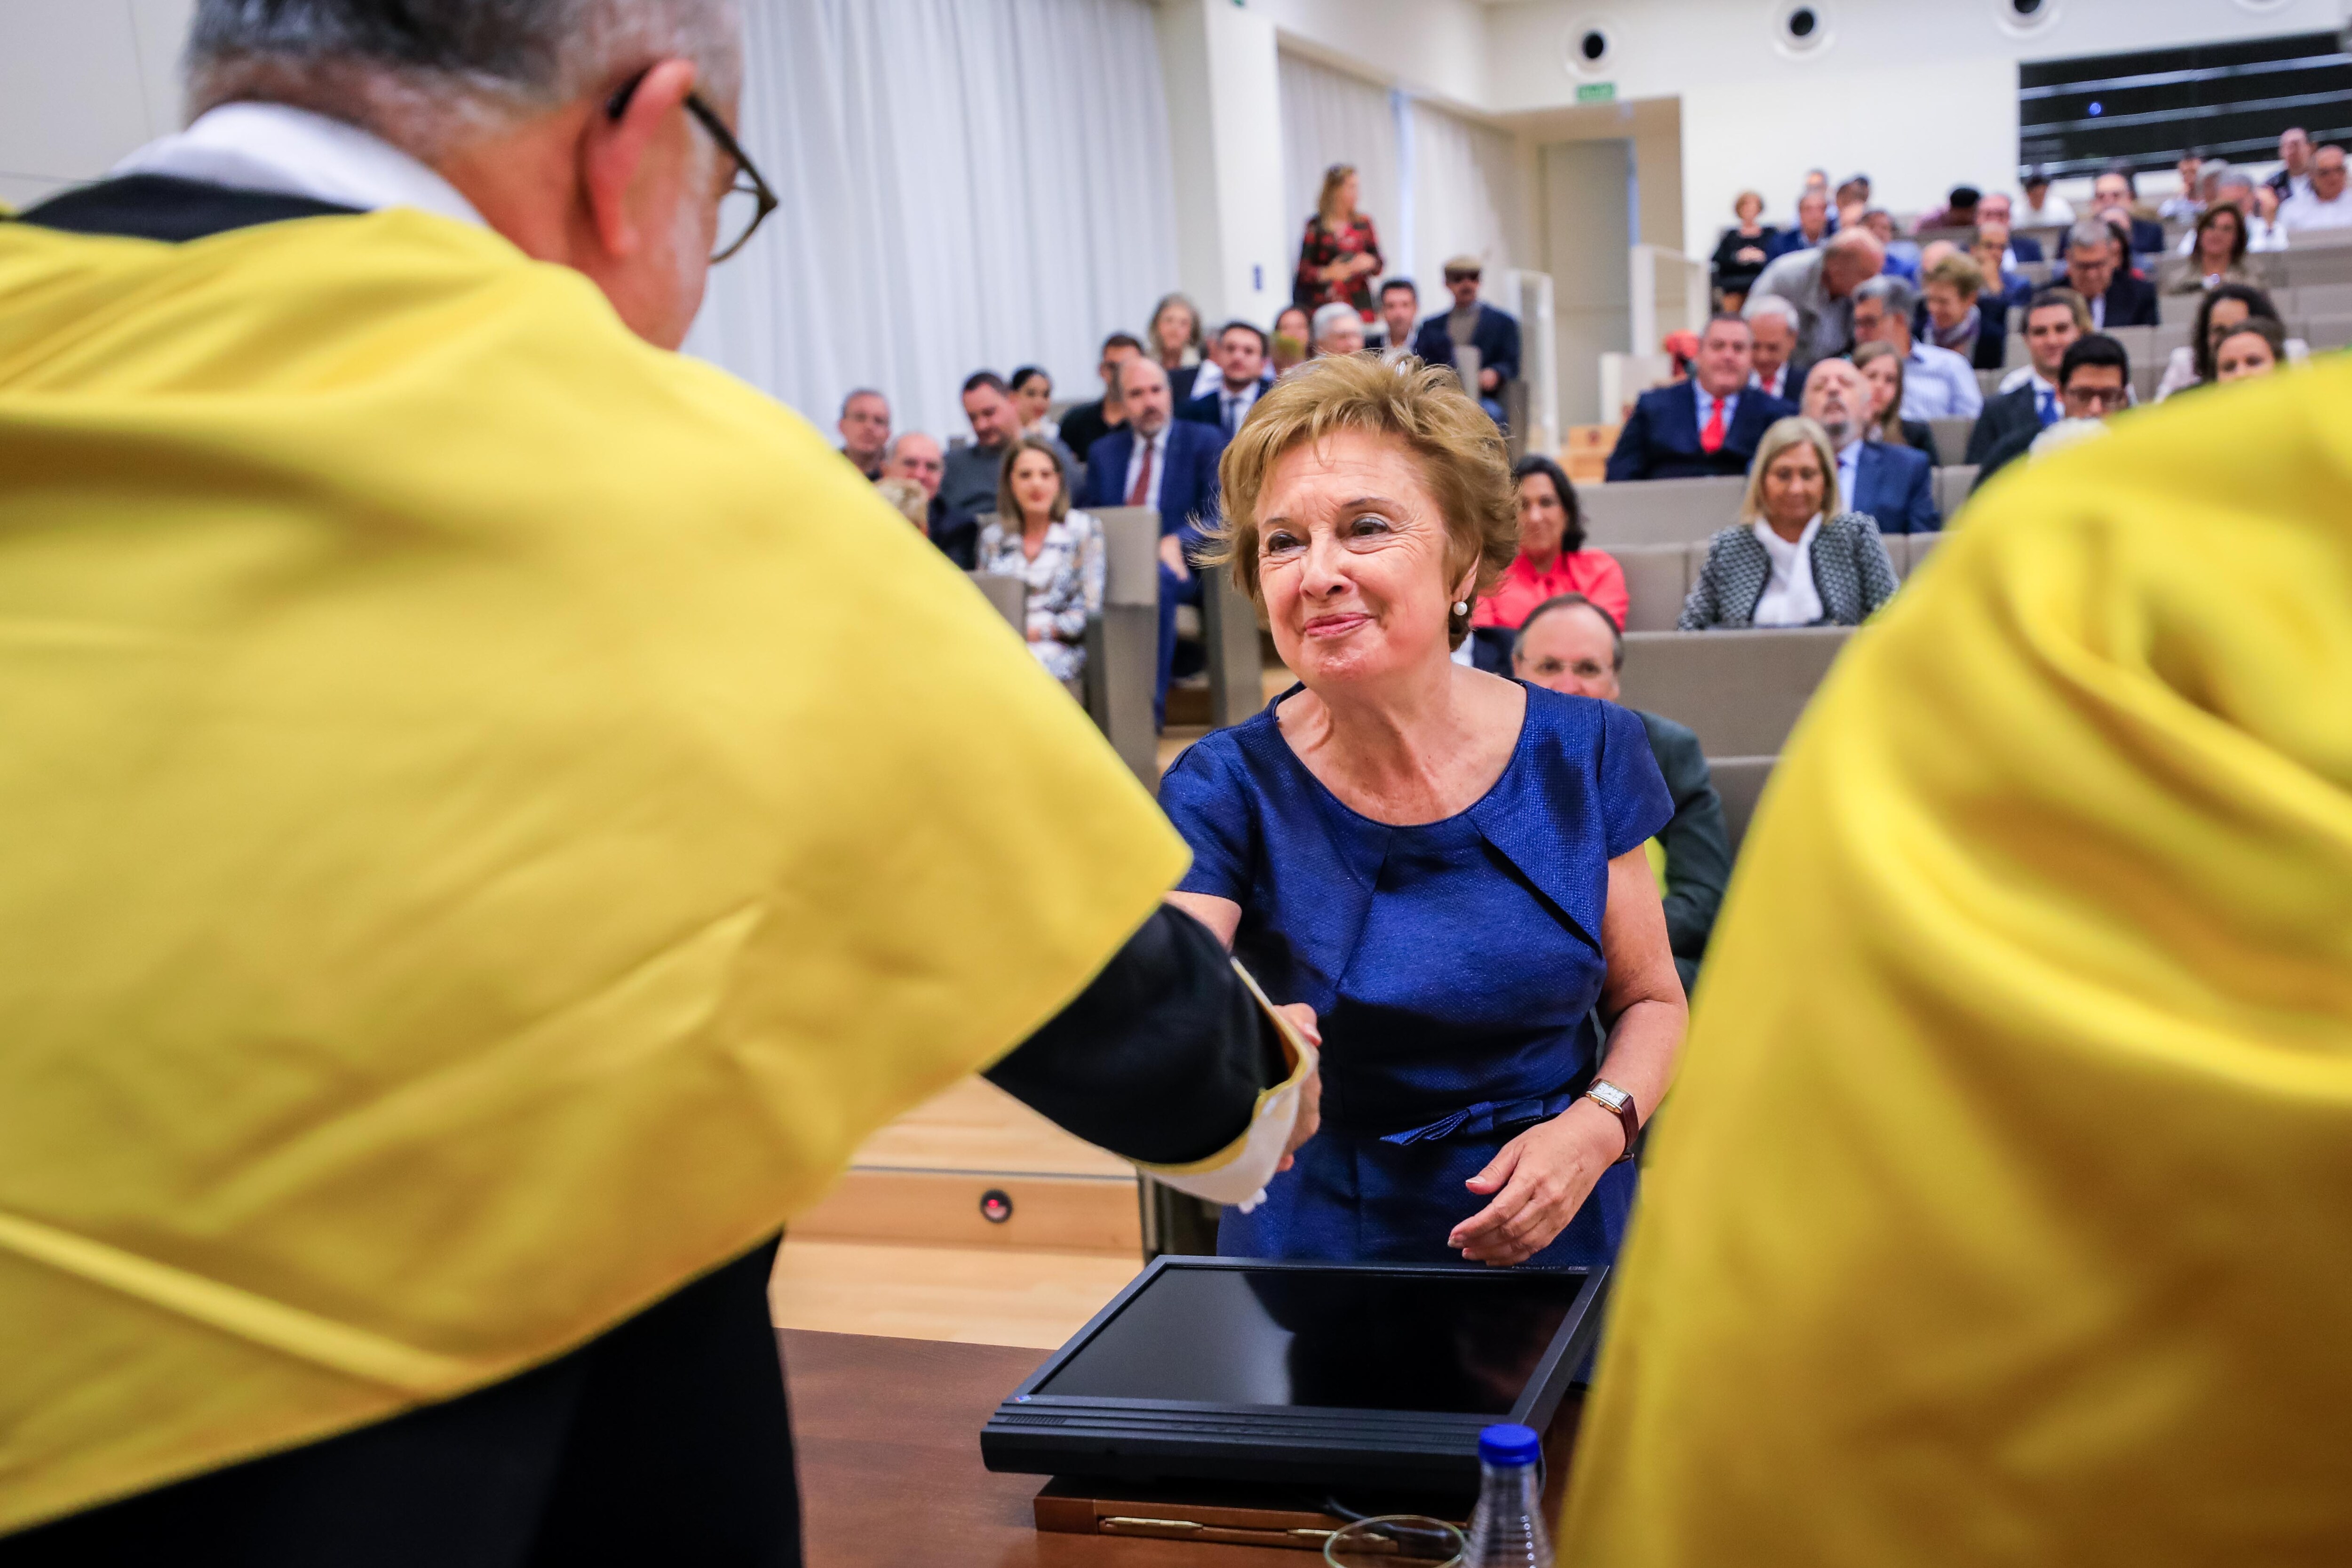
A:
x: 1161, y: 1058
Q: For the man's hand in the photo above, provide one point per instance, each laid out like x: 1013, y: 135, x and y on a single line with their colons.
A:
x: 1310, y: 1093
x: 1490, y: 379
x: 1543, y: 1175
x: 1171, y: 555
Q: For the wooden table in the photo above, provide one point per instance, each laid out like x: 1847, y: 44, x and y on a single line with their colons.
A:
x: 888, y: 1438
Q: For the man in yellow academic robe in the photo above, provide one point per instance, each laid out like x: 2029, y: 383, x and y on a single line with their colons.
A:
x: 497, y: 811
x: 2003, y: 1214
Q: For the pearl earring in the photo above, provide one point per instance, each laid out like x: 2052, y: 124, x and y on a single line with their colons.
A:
x: 1461, y: 607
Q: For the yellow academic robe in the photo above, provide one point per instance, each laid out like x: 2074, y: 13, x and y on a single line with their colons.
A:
x: 495, y: 813
x: 2003, y: 1213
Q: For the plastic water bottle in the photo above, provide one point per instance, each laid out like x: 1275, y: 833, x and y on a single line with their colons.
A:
x: 1508, y: 1529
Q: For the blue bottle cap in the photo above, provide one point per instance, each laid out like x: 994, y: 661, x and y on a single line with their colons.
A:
x: 1507, y: 1444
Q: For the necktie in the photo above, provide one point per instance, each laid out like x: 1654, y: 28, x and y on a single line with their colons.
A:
x: 1710, y: 440
x: 2045, y: 406
x: 1141, y: 490
x: 1233, y: 413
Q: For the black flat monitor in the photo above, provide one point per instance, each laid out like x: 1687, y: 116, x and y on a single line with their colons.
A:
x: 1238, y: 1370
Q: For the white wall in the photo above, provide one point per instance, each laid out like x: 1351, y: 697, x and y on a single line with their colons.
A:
x: 80, y: 85
x: 1429, y: 47
x: 1922, y: 96
x: 1224, y: 115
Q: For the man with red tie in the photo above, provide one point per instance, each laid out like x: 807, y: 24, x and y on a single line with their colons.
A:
x: 1169, y: 465
x: 1709, y: 425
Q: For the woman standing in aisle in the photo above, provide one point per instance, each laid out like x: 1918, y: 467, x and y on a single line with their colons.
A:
x: 1340, y: 259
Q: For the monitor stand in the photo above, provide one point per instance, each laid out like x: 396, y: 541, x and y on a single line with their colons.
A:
x: 1211, y: 1513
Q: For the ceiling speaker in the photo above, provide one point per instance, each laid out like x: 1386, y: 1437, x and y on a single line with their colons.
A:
x: 1802, y: 27
x: 1592, y: 47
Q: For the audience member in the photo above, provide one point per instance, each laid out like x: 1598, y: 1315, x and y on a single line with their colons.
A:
x: 1773, y: 324
x: 1057, y: 553
x: 1338, y: 330
x: 1900, y: 257
x: 1960, y: 210
x: 2256, y: 207
x: 1341, y: 254
x: 1473, y: 324
x: 1821, y: 285
x: 2115, y: 196
x: 2294, y: 176
x: 2223, y: 310
x: 2093, y: 386
x: 1168, y: 464
x: 1089, y: 422
x: 970, y: 484
x: 2043, y: 210
x: 1991, y: 249
x: 1852, y: 201
x: 1890, y: 481
x: 1745, y: 248
x: 1292, y: 335
x: 2114, y: 297
x: 1681, y: 349
x: 1243, y: 378
x: 1400, y: 314
x: 1993, y: 207
x: 1795, y: 559
x: 914, y: 459
x: 2252, y: 348
x: 1570, y: 644
x: 1551, y: 558
x: 2324, y: 205
x: 1881, y: 367
x: 1812, y: 227
x: 1032, y: 400
x: 2220, y: 253
x: 2054, y: 318
x: 865, y: 429
x: 2191, y: 202
x: 1174, y: 339
x: 1966, y: 313
x: 1937, y: 382
x: 1707, y: 424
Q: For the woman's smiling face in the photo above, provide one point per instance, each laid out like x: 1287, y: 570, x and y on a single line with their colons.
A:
x: 1351, y: 561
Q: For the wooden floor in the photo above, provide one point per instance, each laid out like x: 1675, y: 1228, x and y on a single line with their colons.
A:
x: 996, y: 1296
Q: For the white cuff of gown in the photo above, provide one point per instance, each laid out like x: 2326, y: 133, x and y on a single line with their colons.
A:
x: 1238, y: 1174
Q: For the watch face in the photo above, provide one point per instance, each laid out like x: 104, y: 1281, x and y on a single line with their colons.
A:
x: 1609, y: 1095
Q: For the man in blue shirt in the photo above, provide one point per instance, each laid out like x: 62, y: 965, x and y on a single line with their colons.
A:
x: 1937, y: 382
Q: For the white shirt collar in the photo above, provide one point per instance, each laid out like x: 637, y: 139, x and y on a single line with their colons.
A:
x: 292, y: 152
x: 1790, y: 597
x: 1785, y: 549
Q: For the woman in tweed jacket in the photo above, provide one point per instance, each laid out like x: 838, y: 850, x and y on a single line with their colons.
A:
x: 1794, y: 559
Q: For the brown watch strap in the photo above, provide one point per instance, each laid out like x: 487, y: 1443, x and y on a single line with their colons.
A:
x: 1628, y: 1117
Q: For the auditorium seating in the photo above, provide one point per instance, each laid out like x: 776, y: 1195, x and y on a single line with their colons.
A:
x: 1008, y: 594
x: 1739, y: 781
x: 1659, y: 511
x: 1123, y: 642
x: 1658, y: 576
x: 1740, y: 691
x: 1951, y: 438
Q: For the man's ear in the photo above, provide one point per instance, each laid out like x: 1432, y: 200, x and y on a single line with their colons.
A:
x: 612, y: 152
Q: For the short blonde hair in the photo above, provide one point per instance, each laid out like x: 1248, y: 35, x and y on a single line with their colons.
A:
x: 1423, y: 407
x: 1794, y: 431
x: 1959, y: 272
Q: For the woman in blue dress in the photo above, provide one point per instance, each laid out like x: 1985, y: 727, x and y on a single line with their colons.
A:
x: 1444, y: 866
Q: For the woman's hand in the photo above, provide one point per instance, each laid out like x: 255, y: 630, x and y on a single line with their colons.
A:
x: 1310, y: 1093
x: 1543, y: 1175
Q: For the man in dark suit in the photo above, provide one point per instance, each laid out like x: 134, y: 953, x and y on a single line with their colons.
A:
x: 1892, y: 483
x: 1709, y: 425
x: 1170, y: 464
x: 2114, y: 197
x: 1240, y: 353
x: 1570, y: 643
x: 2054, y: 318
x: 2115, y: 298
x: 1814, y: 225
x: 1494, y: 333
x: 2093, y: 383
x: 1774, y: 324
x: 2021, y: 247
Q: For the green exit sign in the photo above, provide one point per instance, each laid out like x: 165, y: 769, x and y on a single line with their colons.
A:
x: 1596, y: 92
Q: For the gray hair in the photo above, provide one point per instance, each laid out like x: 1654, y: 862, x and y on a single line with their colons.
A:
x: 1892, y: 291
x: 1329, y: 316
x: 2090, y: 234
x: 429, y: 75
x: 1760, y: 305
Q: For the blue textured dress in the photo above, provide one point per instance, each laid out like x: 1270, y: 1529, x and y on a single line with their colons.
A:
x: 1453, y: 966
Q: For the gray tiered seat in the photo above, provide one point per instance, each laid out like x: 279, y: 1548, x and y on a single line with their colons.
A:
x: 1657, y: 577
x: 1739, y: 781
x: 1740, y: 691
x: 1123, y: 642
x: 1659, y: 511
x: 1952, y: 437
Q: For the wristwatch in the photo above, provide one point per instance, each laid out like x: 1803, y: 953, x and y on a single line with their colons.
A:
x: 1608, y: 1097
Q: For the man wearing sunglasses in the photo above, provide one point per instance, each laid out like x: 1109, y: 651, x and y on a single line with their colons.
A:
x: 478, y: 872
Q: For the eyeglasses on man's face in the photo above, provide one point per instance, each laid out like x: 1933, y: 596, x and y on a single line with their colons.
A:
x: 748, y: 200
x: 2090, y: 400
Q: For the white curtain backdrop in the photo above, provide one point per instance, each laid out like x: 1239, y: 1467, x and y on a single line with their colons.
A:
x: 1330, y: 117
x: 1467, y: 199
x: 966, y: 185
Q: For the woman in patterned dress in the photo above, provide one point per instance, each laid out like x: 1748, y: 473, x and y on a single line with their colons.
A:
x: 1340, y: 259
x: 1057, y: 551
